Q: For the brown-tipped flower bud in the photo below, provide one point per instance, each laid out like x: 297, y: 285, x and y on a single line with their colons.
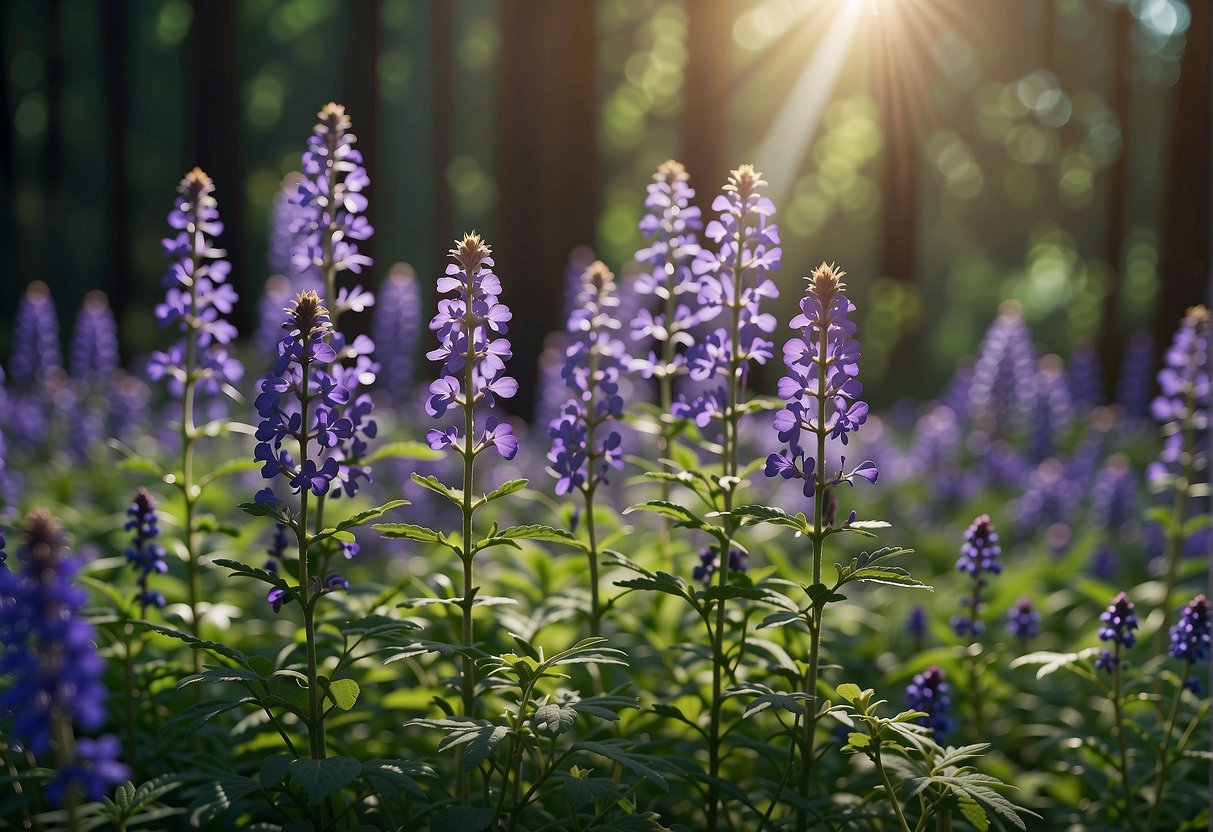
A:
x: 308, y: 315
x: 671, y: 170
x: 42, y: 542
x: 470, y: 251
x: 332, y: 120
x: 195, y: 186
x: 599, y: 276
x: 826, y: 283
x: 745, y: 181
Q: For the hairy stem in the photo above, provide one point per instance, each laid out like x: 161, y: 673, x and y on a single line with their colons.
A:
x: 888, y: 788
x: 469, y: 459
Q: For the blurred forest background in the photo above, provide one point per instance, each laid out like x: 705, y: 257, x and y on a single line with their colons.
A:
x: 949, y: 154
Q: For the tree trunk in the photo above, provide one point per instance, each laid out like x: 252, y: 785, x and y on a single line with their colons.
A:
x: 706, y: 98
x: 548, y: 105
x: 216, y: 136
x: 1112, y: 336
x: 442, y: 42
x: 117, y: 188
x: 1185, y: 255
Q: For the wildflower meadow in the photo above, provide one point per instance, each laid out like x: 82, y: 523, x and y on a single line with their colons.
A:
x: 319, y: 574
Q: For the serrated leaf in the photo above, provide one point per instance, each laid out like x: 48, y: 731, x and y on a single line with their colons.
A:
x: 219, y: 796
x: 431, y: 483
x: 218, y: 675
x: 504, y: 490
x: 356, y: 520
x: 770, y: 515
x: 244, y: 570
x: 410, y: 531
x: 478, y: 737
x: 858, y: 741
x: 780, y: 619
x: 261, y: 510
x: 213, y: 647
x: 765, y: 698
x: 635, y: 763
x: 323, y: 778
x: 580, y: 791
x: 344, y: 693
x: 552, y: 720
x: 396, y: 774
x: 973, y: 813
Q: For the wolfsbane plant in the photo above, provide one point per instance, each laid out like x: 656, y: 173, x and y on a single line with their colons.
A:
x: 469, y: 326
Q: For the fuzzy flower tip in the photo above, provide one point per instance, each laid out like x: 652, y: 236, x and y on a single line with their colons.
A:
x: 1119, y: 625
x: 584, y: 445
x: 928, y: 692
x: 473, y: 355
x: 144, y: 553
x: 822, y: 387
x: 197, y: 295
x: 302, y: 379
x: 47, y: 651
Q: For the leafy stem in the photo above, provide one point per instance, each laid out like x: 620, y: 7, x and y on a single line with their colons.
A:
x: 1164, y: 755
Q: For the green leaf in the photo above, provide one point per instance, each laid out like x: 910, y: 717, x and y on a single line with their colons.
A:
x: 579, y: 791
x: 209, y: 523
x: 274, y: 768
x: 261, y: 510
x: 504, y: 490
x: 858, y: 740
x: 849, y: 692
x: 355, y: 520
x: 213, y: 647
x: 478, y: 737
x: 636, y: 763
x: 769, y: 515
x: 403, y: 450
x: 396, y: 774
x: 431, y: 483
x: 218, y: 797
x: 323, y: 778
x: 1052, y: 662
x: 462, y: 819
x: 411, y: 532
x: 552, y: 720
x: 508, y: 535
x: 139, y: 465
x: 218, y: 675
x: 781, y: 618
x: 765, y: 698
x: 344, y: 693
x: 244, y: 570
x: 973, y: 813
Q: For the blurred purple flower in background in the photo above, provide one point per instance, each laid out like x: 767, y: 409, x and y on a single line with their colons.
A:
x: 47, y: 650
x: 928, y: 692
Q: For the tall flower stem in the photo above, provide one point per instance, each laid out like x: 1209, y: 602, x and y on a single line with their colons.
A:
x: 469, y: 460
x: 821, y: 495
x: 730, y: 468
x: 189, y: 433
x: 1126, y: 788
x: 1164, y: 757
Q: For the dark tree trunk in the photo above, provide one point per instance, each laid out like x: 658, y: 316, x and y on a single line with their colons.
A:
x: 1111, y: 335
x: 216, y: 131
x: 1184, y: 266
x: 362, y: 104
x: 9, y: 237
x: 548, y: 104
x: 442, y: 42
x: 706, y: 98
x: 117, y: 189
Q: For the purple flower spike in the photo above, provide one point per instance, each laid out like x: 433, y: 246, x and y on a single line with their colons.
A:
x: 929, y: 693
x: 822, y: 386
x: 1119, y: 624
x: 978, y: 558
x: 670, y: 224
x: 735, y: 277
x: 473, y: 356
x: 54, y: 672
x: 1190, y: 636
x: 144, y: 553
x: 1023, y: 621
x: 1185, y: 392
x: 585, y: 444
x: 198, y: 295
x: 334, y: 423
